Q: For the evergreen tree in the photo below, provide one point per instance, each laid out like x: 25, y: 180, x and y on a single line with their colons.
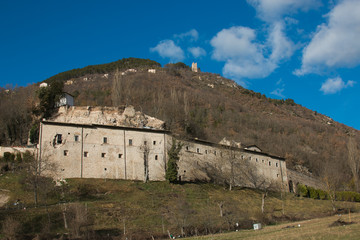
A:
x: 49, y: 96
x: 172, y: 169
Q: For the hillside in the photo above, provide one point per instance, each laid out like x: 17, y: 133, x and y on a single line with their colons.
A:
x: 117, y: 209
x: 202, y: 105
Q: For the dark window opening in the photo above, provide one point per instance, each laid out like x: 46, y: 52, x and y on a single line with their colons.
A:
x: 198, y: 150
x: 66, y: 152
x: 103, y: 155
x: 145, y: 142
x: 120, y: 155
x: 154, y: 142
x: 86, y: 154
x: 277, y: 164
x: 58, y: 138
x: 105, y: 169
x: 105, y: 140
x: 206, y: 151
x: 269, y: 163
x: 130, y: 142
x: 187, y: 148
x: 156, y: 157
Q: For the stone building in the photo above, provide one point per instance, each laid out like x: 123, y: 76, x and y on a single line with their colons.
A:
x: 85, y: 142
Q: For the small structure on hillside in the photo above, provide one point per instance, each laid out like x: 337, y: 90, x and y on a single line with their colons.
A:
x: 66, y: 100
x: 194, y: 67
x: 44, y: 84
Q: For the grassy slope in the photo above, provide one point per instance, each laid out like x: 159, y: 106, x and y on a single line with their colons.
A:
x: 146, y: 209
x: 310, y: 229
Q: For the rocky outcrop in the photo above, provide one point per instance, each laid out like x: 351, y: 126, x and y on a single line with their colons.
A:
x: 111, y: 116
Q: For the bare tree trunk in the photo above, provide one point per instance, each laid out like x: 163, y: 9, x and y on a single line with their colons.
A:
x: 263, y: 202
x: 64, y: 217
x: 354, y: 160
x: 221, y: 204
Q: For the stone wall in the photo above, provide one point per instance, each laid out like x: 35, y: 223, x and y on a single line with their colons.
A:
x: 15, y: 150
x: 102, y: 151
x: 296, y: 178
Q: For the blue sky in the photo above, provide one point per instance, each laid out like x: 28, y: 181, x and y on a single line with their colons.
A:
x: 306, y: 50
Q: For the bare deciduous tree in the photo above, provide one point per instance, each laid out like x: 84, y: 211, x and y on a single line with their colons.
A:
x: 145, y: 150
x: 354, y: 160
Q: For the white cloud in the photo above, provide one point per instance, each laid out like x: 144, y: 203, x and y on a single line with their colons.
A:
x: 197, y: 52
x: 274, y: 10
x: 334, y: 85
x: 168, y: 49
x: 193, y: 35
x: 282, y: 47
x: 278, y: 92
x: 335, y: 44
x: 246, y: 58
x: 242, y: 55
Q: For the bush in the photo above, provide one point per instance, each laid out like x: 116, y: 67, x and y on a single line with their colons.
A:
x: 322, y: 194
x: 313, y: 193
x: 9, y: 157
x: 302, y: 190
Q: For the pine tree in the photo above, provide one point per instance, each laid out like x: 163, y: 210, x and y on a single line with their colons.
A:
x: 172, y: 169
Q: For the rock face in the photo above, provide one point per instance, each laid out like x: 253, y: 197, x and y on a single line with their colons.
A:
x: 111, y: 116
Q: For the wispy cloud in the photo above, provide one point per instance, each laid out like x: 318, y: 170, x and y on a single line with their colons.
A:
x: 168, y: 49
x: 334, y: 85
x: 197, y: 52
x: 192, y: 35
x: 335, y: 44
x: 274, y: 10
x: 279, y: 90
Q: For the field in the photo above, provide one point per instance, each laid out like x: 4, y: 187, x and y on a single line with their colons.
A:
x: 334, y: 227
x: 137, y: 210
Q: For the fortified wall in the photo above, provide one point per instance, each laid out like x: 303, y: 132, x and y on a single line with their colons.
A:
x: 120, y: 143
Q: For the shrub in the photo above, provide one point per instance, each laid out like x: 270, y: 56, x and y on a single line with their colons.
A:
x: 302, y: 190
x: 322, y: 194
x: 313, y: 193
x: 9, y: 157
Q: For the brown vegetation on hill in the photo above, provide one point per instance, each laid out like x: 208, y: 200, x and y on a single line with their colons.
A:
x: 206, y: 106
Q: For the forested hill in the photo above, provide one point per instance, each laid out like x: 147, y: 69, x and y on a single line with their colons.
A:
x: 202, y: 105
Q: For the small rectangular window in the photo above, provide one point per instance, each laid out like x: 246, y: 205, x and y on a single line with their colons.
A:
x: 145, y: 143
x: 215, y: 152
x: 263, y: 161
x: 130, y: 142
x: 86, y: 154
x: 120, y: 155
x: 206, y: 151
x: 105, y: 140
x: 198, y: 150
x: 58, y: 138
x: 154, y: 142
x: 156, y: 157
x: 277, y: 164
x: 76, y: 138
x: 66, y: 152
x: 103, y: 155
x: 269, y: 163
x: 187, y: 148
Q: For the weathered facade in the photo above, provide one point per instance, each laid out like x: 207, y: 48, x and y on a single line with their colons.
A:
x: 81, y: 144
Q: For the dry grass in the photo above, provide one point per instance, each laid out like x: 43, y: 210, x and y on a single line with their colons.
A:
x: 310, y: 229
